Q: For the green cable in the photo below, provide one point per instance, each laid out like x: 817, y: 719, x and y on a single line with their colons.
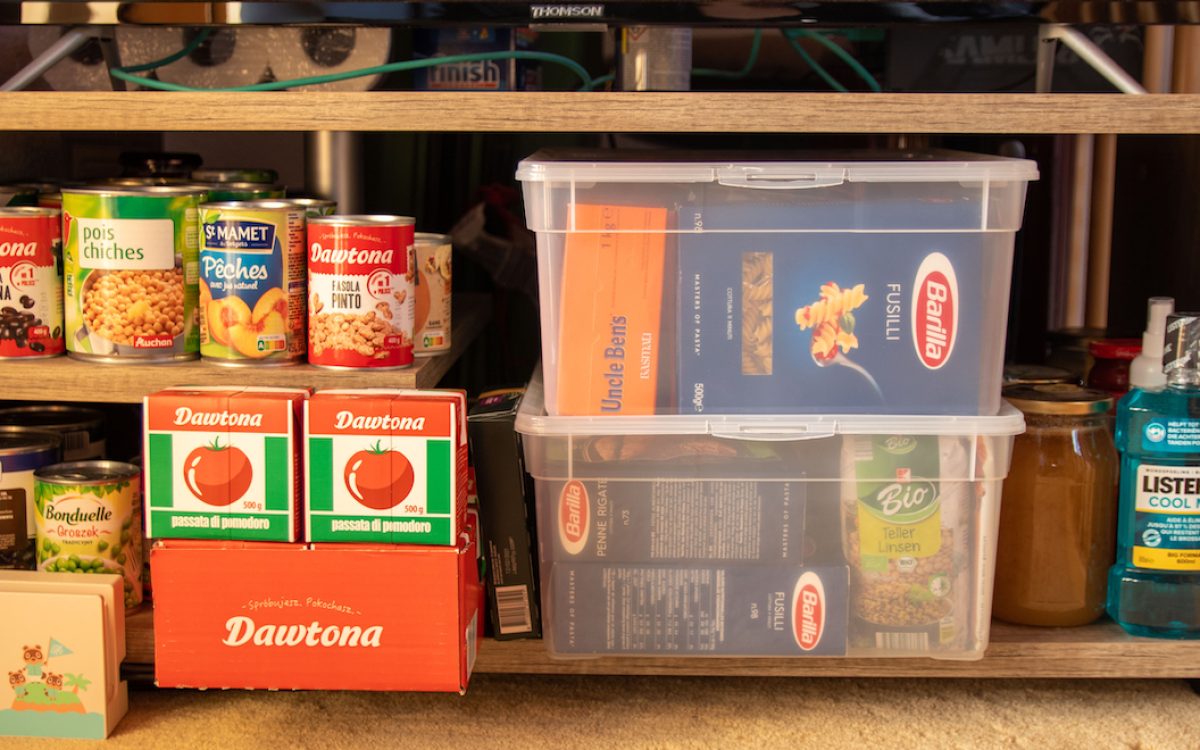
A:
x: 124, y: 74
x: 599, y: 81
x: 734, y: 75
x: 199, y: 39
x: 816, y: 66
x: 845, y: 56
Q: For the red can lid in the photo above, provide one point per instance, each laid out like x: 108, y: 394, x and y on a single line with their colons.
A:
x: 1115, y: 348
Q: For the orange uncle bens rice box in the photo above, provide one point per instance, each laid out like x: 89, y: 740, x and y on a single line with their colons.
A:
x: 223, y: 463
x: 612, y: 292
x: 386, y: 466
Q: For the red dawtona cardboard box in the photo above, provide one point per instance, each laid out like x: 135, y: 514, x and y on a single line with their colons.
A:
x: 257, y: 615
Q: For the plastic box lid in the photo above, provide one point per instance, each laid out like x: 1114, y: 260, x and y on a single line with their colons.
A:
x: 785, y: 171
x: 533, y: 420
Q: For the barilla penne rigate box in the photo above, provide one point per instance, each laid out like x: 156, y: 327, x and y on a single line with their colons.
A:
x: 386, y: 466
x: 224, y: 463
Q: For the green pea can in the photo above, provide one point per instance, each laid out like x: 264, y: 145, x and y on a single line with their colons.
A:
x: 89, y: 520
x: 131, y: 272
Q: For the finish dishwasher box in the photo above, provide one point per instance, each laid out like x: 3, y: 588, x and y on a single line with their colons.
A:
x: 766, y: 535
x: 874, y: 283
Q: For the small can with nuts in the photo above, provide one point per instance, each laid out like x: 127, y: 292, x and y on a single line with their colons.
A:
x: 130, y: 257
x: 89, y: 520
x: 360, y: 284
x: 431, y: 326
x: 31, y: 283
x: 252, y: 280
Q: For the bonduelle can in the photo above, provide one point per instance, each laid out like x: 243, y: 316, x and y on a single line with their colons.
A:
x: 314, y: 206
x: 89, y: 520
x: 22, y: 451
x: 252, y: 280
x: 31, y: 283
x: 130, y: 258
x: 235, y: 174
x: 360, y: 284
x: 431, y: 316
x: 242, y: 191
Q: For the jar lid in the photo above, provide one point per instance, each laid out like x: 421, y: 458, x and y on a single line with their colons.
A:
x: 1127, y: 349
x: 1058, y: 398
x: 1035, y: 375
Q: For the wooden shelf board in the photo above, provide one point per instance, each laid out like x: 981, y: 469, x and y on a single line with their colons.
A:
x: 66, y: 379
x: 1100, y: 650
x: 748, y: 112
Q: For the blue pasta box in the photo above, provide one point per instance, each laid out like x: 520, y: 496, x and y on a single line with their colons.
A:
x: 884, y: 322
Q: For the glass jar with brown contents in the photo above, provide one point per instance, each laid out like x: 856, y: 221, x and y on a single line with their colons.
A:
x: 1058, y: 516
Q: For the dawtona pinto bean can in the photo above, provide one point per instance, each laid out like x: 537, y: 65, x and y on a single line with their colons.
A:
x: 252, y: 280
x: 89, y: 520
x: 22, y: 451
x: 31, y: 283
x: 431, y: 321
x: 130, y: 259
x: 360, y: 286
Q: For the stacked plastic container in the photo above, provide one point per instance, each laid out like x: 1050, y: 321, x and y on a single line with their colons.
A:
x: 771, y: 420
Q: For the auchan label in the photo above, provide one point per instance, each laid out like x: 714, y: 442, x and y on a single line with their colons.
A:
x: 808, y: 611
x: 574, y: 517
x: 935, y: 311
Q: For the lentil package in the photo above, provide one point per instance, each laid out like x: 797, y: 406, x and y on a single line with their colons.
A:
x: 908, y: 507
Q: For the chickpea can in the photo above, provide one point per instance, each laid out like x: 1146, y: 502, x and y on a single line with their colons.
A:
x: 431, y: 324
x: 31, y: 283
x: 360, y: 285
x: 89, y: 520
x: 252, y: 279
x: 130, y: 259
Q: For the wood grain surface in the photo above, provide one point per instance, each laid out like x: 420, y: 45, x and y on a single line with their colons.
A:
x: 1100, y: 650
x: 602, y: 112
x: 66, y: 379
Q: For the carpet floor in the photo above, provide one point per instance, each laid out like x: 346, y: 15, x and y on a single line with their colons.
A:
x: 575, y: 713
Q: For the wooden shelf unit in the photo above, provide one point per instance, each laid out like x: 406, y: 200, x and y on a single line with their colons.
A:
x: 532, y: 112
x: 67, y: 379
x: 1100, y: 650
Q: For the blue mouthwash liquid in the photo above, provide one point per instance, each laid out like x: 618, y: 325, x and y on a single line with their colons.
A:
x: 1154, y: 588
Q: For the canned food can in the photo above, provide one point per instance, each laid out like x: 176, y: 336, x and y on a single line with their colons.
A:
x: 130, y: 259
x: 314, y: 206
x: 138, y: 182
x: 252, y: 280
x: 48, y: 193
x: 360, y: 281
x: 31, y: 283
x: 17, y: 195
x: 81, y: 428
x: 22, y: 451
x: 89, y: 520
x: 235, y: 174
x: 431, y: 315
x: 241, y: 191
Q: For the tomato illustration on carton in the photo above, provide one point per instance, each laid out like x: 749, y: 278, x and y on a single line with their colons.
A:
x: 223, y: 463
x: 385, y: 466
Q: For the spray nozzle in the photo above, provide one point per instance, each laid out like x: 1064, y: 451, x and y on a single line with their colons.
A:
x: 1157, y: 311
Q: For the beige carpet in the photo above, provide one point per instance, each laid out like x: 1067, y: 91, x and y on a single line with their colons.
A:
x: 573, y: 713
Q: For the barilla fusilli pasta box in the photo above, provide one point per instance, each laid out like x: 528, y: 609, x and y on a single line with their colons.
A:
x: 386, y: 466
x: 871, y: 322
x: 611, y: 309
x: 223, y: 463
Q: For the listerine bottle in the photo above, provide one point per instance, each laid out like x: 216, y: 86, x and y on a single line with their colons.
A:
x: 1154, y: 588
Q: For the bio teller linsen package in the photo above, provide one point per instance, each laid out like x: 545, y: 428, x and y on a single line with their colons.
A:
x: 833, y: 321
x: 386, y: 466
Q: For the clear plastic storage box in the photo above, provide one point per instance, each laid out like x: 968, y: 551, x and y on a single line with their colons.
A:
x: 869, y: 536
x: 688, y: 284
